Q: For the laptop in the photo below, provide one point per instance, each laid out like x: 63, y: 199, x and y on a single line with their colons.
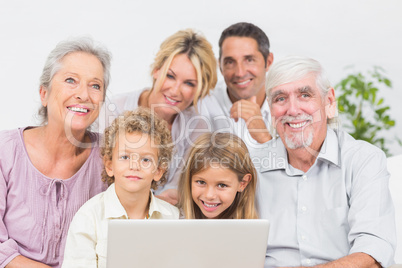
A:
x: 187, y: 243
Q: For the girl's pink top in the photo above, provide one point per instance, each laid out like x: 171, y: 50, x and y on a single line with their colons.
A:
x: 35, y: 210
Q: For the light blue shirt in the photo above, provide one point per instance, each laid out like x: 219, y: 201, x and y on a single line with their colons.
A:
x: 341, y: 205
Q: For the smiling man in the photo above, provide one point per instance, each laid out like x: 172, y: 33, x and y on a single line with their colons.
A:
x: 240, y: 105
x: 325, y: 193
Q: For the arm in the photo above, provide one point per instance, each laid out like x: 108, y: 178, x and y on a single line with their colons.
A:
x: 250, y: 111
x: 354, y: 260
x: 8, y: 247
x: 23, y: 262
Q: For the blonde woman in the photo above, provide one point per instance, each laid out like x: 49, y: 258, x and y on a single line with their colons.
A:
x: 219, y: 179
x: 184, y: 71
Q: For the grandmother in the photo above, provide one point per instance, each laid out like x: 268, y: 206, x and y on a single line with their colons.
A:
x: 48, y: 172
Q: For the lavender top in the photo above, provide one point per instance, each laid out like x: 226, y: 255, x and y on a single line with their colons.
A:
x: 35, y: 210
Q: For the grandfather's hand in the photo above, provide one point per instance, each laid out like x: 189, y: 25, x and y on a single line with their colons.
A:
x: 250, y: 112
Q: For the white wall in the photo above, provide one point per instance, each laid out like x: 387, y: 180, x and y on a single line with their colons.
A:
x: 337, y: 33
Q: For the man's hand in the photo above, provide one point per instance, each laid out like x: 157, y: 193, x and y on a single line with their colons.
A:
x: 170, y: 195
x: 250, y: 112
x: 355, y: 260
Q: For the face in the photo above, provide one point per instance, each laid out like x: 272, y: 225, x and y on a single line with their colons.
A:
x: 243, y: 67
x: 77, y: 90
x: 178, y: 89
x: 300, y: 113
x: 134, y: 163
x: 214, y: 190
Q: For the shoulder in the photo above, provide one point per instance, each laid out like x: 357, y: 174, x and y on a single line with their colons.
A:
x: 360, y: 159
x: 350, y: 147
x: 214, y: 100
x: 10, y: 138
x: 11, y: 147
x: 166, y: 209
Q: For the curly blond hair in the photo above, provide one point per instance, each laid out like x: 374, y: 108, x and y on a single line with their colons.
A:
x: 144, y: 121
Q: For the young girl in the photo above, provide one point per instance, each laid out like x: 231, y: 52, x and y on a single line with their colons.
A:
x: 219, y: 179
x: 136, y: 153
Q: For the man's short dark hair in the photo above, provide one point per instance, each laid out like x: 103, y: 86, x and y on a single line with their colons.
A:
x: 245, y: 29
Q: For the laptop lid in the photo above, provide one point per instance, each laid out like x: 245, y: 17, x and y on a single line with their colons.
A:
x: 187, y: 243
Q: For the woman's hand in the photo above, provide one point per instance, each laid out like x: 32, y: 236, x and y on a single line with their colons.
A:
x: 23, y: 262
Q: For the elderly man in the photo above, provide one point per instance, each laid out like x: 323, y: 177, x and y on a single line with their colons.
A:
x: 325, y: 193
x: 240, y: 106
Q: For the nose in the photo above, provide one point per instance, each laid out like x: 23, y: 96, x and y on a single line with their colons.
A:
x: 82, y: 92
x: 210, y: 194
x: 134, y: 163
x: 175, y: 89
x: 293, y: 107
x: 240, y: 70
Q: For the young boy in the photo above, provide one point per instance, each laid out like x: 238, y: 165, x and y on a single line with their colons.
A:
x: 137, y: 150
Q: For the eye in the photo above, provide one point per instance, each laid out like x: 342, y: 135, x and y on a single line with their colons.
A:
x: 96, y: 86
x: 250, y: 59
x: 70, y: 80
x: 146, y: 160
x: 279, y: 99
x: 124, y: 157
x: 169, y: 76
x: 305, y: 95
x: 228, y: 62
x: 222, y: 185
x: 200, y: 182
x: 191, y: 84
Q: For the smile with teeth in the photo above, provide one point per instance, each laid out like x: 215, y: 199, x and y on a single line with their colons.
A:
x: 298, y: 125
x: 210, y: 205
x: 171, y: 100
x: 78, y: 109
x: 244, y: 82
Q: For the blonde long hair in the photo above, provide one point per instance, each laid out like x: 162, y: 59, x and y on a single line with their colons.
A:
x: 232, y: 153
x: 198, y: 50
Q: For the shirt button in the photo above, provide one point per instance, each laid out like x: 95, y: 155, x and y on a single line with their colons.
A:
x: 308, y: 261
x: 304, y: 208
x: 303, y: 237
x: 304, y: 177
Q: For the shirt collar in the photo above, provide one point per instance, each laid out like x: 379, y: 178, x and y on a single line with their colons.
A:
x: 274, y: 155
x: 330, y: 150
x: 156, y: 205
x: 113, y: 207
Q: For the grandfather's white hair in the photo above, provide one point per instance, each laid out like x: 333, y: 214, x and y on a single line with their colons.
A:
x: 294, y: 68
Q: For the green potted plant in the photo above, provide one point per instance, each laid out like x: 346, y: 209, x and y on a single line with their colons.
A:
x: 363, y: 113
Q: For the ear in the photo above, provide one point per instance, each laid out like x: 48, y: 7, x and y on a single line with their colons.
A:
x: 158, y: 173
x: 244, y: 182
x: 270, y: 60
x: 330, y: 103
x: 44, y: 95
x: 156, y: 73
x: 108, y: 167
